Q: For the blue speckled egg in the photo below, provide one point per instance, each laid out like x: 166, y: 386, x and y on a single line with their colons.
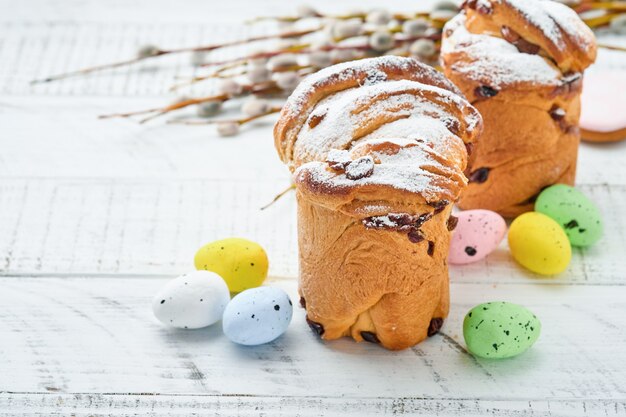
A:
x: 257, y: 316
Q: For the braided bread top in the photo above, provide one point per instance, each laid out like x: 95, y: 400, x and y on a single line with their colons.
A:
x: 520, y: 43
x: 383, y: 129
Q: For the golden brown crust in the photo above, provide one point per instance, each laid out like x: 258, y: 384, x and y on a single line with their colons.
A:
x: 354, y: 279
x: 554, y: 28
x: 342, y: 77
x: 519, y: 63
x: 378, y: 150
x: 525, y: 150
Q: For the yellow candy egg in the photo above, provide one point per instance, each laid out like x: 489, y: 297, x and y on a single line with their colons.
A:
x: 538, y: 243
x: 242, y: 263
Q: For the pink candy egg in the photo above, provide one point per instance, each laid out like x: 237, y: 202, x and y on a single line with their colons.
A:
x: 477, y: 234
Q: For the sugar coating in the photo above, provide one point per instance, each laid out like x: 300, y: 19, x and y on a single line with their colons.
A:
x: 535, y: 13
x: 494, y: 61
x: 336, y: 129
x: 497, y: 63
x: 424, y: 120
x: 405, y: 170
x: 554, y: 18
x: 408, y: 128
x: 347, y: 70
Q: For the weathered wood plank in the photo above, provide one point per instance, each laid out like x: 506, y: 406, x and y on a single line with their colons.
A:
x: 114, y: 199
x: 138, y: 227
x: 98, y: 335
x: 143, y: 227
x: 12, y: 404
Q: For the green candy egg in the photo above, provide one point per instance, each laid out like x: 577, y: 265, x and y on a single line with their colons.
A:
x: 500, y: 330
x: 243, y: 264
x: 572, y: 210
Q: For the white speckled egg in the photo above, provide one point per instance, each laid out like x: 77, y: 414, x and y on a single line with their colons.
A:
x: 192, y: 301
x: 477, y: 234
x: 257, y: 316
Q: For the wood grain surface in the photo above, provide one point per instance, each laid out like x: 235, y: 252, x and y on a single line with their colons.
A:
x: 96, y: 215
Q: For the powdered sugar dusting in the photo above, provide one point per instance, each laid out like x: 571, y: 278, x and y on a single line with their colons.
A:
x: 384, y: 221
x: 337, y: 128
x: 411, y: 169
x: 345, y: 70
x: 494, y: 61
x: 384, y: 132
x: 569, y: 21
x: 534, y: 12
x: 429, y: 130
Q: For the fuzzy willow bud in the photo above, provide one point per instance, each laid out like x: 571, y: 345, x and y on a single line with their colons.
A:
x: 227, y: 128
x: 381, y: 41
x: 320, y: 59
x: 415, y: 27
x: 342, y: 55
x: 255, y: 107
x: 147, y: 51
x: 347, y: 29
x: 198, y: 58
x: 378, y: 17
x: 230, y: 87
x: 423, y: 48
x: 209, y: 108
x: 287, y: 81
x: 258, y: 74
x: 282, y: 61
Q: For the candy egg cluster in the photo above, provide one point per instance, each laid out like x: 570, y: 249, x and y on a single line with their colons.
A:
x: 257, y: 316
x: 573, y: 211
x: 541, y: 240
x: 538, y: 243
x: 202, y: 298
x: 477, y: 234
x: 242, y: 263
x: 500, y: 330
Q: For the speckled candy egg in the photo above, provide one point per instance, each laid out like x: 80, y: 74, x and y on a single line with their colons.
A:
x: 578, y: 215
x: 242, y: 263
x: 257, y: 316
x: 538, y: 243
x: 500, y: 329
x: 192, y: 301
x: 477, y: 234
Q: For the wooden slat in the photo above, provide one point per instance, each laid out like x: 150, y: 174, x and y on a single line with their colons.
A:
x: 155, y: 227
x: 98, y: 335
x: 187, y: 405
x: 137, y: 227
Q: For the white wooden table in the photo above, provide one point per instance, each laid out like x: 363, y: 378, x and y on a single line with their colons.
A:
x: 96, y: 215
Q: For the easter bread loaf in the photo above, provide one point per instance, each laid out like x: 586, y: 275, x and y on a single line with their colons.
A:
x: 377, y: 148
x: 520, y: 63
